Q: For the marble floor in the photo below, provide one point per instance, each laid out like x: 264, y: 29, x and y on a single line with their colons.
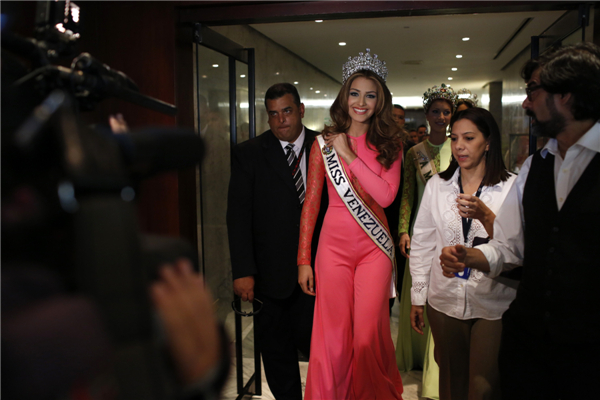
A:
x: 411, y: 380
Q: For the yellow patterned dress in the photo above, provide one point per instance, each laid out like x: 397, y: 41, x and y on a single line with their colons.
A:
x: 414, y: 351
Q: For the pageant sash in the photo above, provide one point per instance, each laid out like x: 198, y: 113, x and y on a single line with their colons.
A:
x: 424, y: 162
x: 359, y: 210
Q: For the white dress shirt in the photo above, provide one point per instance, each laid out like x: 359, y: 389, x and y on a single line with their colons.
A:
x: 507, y: 248
x: 438, y: 225
x: 298, y: 143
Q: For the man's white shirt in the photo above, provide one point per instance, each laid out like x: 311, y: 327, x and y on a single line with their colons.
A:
x: 506, y: 250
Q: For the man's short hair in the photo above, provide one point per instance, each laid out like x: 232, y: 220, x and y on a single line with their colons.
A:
x: 400, y: 107
x: 281, y: 89
x: 571, y: 69
x: 422, y: 126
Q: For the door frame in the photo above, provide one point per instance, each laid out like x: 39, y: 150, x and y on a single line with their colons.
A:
x: 190, y: 37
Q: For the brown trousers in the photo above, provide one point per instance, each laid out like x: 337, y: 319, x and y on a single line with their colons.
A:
x: 467, y: 354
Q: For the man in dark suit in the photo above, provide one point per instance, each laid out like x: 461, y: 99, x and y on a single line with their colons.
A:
x: 266, y: 193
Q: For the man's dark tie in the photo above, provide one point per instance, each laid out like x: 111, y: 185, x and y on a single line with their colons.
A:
x: 292, y: 162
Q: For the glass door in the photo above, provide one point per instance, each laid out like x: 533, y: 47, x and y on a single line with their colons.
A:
x: 224, y: 103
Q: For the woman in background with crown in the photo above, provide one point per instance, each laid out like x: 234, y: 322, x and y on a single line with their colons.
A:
x: 352, y: 352
x: 466, y: 100
x: 422, y: 162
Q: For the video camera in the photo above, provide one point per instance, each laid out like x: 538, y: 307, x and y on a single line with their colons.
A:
x: 83, y: 224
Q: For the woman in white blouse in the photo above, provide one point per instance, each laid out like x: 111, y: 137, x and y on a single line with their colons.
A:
x: 465, y: 311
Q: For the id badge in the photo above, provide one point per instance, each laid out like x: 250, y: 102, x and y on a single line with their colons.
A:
x: 463, y: 275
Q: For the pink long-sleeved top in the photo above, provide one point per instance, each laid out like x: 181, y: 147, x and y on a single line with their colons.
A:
x: 376, y: 185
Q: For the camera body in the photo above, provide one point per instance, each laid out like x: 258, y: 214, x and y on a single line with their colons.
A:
x: 81, y: 222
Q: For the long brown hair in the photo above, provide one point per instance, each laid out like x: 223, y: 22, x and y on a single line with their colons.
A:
x: 383, y: 132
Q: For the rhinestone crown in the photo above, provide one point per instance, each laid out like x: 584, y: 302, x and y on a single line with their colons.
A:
x: 465, y: 94
x: 364, y: 61
x: 439, y: 92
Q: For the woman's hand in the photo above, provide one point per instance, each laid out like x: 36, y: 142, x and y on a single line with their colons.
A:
x: 404, y: 244
x: 306, y: 279
x: 329, y: 138
x: 339, y: 141
x: 470, y: 206
x: 417, y: 320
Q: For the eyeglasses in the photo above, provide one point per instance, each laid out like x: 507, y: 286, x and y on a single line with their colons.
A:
x: 530, y: 89
x: 245, y: 313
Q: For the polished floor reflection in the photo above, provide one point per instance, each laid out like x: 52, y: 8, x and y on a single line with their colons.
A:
x: 411, y: 380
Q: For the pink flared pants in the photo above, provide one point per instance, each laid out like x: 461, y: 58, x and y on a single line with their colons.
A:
x: 352, y: 354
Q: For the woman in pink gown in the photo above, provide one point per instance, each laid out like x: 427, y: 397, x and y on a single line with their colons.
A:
x: 352, y: 354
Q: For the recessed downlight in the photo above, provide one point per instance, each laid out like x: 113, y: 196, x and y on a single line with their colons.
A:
x: 454, y: 69
x: 215, y: 65
x: 342, y: 43
x: 449, y: 78
x: 459, y: 56
x: 465, y: 39
x: 318, y: 20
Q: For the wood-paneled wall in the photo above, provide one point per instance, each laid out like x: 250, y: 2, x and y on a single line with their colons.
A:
x: 139, y: 39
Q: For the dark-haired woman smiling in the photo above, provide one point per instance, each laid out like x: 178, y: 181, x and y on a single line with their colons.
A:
x: 464, y: 310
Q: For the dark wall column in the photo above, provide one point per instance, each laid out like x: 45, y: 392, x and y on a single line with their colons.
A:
x: 496, y: 101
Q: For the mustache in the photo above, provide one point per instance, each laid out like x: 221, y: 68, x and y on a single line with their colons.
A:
x: 530, y: 113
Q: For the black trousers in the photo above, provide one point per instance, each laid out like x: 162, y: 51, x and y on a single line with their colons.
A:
x: 284, y: 326
x: 536, y: 367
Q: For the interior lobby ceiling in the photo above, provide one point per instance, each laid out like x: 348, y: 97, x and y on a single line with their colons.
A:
x: 420, y: 51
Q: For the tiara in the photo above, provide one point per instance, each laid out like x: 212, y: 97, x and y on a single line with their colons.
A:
x: 441, y: 92
x: 364, y: 61
x: 465, y: 94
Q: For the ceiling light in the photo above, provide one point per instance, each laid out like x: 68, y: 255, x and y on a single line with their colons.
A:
x: 455, y: 69
x: 449, y: 78
x: 317, y: 91
x: 215, y: 65
x: 458, y: 56
x: 342, y: 43
x: 242, y: 76
x: 295, y: 82
x: 466, y: 39
x: 204, y: 76
x: 310, y: 88
x: 276, y: 73
x: 318, y: 20
x: 325, y: 95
